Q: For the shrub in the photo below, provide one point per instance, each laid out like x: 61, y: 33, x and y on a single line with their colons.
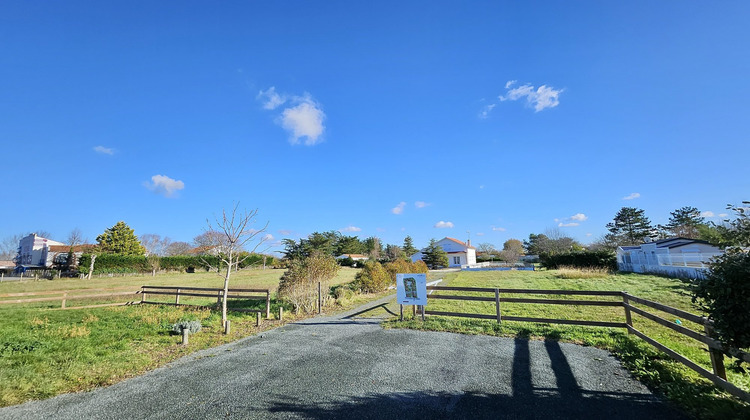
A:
x: 192, y: 326
x: 586, y: 259
x: 373, y: 278
x: 299, y: 284
x: 724, y: 294
x: 346, y: 262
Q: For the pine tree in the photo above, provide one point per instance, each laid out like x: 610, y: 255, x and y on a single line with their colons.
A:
x: 630, y: 227
x: 434, y: 255
x: 408, y: 247
x: 120, y: 239
x: 684, y: 222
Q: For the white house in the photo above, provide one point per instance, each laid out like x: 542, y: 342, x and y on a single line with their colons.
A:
x: 34, y: 251
x: 355, y: 257
x: 459, y: 253
x: 675, y: 256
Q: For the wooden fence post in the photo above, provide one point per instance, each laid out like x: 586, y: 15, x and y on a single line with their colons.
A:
x: 717, y: 357
x: 268, y: 304
x: 497, y: 305
x: 281, y: 313
x: 227, y: 326
x: 185, y: 334
x: 421, y: 308
x: 320, y: 299
x: 65, y: 297
x: 414, y: 311
x: 177, y: 297
x: 257, y: 321
x: 628, y: 317
x: 401, y: 311
x: 143, y: 294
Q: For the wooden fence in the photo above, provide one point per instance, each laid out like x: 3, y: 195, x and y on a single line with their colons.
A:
x: 205, y: 292
x: 65, y: 296
x: 716, y: 349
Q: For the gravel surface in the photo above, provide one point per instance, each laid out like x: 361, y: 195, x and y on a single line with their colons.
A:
x: 348, y: 367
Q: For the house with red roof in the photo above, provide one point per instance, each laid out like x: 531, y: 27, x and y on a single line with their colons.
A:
x: 459, y: 253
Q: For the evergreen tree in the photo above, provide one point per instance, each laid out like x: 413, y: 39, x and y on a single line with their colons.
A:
x: 434, y: 255
x: 408, y: 247
x: 684, y: 222
x: 629, y: 227
x: 120, y: 239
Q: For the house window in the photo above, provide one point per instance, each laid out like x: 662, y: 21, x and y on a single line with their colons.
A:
x: 456, y: 260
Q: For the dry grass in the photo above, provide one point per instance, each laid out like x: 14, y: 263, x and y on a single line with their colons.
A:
x: 581, y: 273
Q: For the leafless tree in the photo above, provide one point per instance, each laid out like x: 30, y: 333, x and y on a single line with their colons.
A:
x: 487, y: 250
x: 75, y: 237
x: 155, y: 244
x: 235, y: 232
x: 178, y: 248
x: 9, y: 246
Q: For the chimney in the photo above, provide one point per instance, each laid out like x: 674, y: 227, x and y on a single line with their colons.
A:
x: 468, y: 242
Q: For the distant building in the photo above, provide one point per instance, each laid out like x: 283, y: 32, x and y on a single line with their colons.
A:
x: 672, y: 256
x: 34, y: 252
x: 459, y: 253
x: 355, y: 257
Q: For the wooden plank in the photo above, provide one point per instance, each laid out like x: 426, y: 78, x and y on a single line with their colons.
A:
x: 60, y: 292
x: 453, y: 297
x: 668, y: 309
x: 565, y: 321
x: 96, y: 306
x: 562, y: 302
x: 60, y: 298
x: 563, y: 292
x: 669, y: 324
x: 462, y: 289
x: 458, y: 314
x: 727, y: 386
x: 205, y: 289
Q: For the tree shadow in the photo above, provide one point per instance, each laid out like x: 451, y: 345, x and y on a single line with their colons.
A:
x: 567, y: 400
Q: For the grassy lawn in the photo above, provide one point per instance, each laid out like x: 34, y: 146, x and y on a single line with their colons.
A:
x: 677, y: 382
x: 46, y: 352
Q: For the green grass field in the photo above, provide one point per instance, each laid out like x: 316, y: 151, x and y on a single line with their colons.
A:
x: 655, y: 369
x: 46, y: 352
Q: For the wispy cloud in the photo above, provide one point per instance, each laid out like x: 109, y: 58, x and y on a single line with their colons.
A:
x: 285, y: 232
x: 632, y: 196
x: 723, y: 215
x: 302, y: 117
x: 350, y: 229
x: 480, y: 233
x: 485, y: 113
x: 589, y: 234
x: 164, y: 185
x: 707, y: 214
x: 498, y: 229
x: 104, y: 150
x: 539, y: 98
x: 421, y: 204
x: 570, y: 224
x: 443, y: 225
x: 580, y: 217
x: 268, y: 237
x: 399, y: 208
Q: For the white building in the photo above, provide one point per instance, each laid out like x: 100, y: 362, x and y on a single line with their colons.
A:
x: 459, y: 253
x: 34, y: 251
x: 355, y: 257
x: 672, y: 256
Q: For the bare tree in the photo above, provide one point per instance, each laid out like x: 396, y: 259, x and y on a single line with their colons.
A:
x: 487, y: 250
x: 178, y: 248
x: 75, y: 237
x: 155, y: 244
x: 9, y: 246
x: 234, y: 233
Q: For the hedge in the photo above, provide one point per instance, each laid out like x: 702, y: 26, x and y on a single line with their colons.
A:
x: 584, y: 259
x: 116, y: 263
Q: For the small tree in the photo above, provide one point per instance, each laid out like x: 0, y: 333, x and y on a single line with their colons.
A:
x: 373, y: 278
x: 299, y: 284
x: 512, y: 251
x: 408, y: 247
x: 120, y: 239
x: 684, y: 222
x: 233, y: 231
x: 630, y: 226
x: 487, y: 250
x: 434, y: 256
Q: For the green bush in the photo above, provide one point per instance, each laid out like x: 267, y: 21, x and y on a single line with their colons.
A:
x: 724, y: 294
x: 373, y: 278
x: 192, y: 326
x: 114, y: 264
x: 585, y: 259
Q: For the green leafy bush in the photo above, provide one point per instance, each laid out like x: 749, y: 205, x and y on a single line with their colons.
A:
x: 586, y: 259
x: 192, y: 326
x: 724, y: 294
x: 373, y: 278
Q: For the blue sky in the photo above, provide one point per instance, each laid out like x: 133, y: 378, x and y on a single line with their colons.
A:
x: 386, y: 119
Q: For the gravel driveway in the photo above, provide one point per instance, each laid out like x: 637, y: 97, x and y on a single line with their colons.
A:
x: 350, y: 368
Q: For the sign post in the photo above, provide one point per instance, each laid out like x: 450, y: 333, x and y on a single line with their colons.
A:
x: 411, y: 289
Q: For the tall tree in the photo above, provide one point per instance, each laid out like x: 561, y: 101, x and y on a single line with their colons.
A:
x: 684, y: 222
x: 155, y: 244
x: 235, y: 232
x: 512, y: 250
x: 551, y: 242
x: 630, y: 227
x: 9, y: 246
x: 434, y: 255
x: 394, y: 252
x: 349, y: 245
x: 178, y: 248
x: 408, y: 247
x: 120, y: 239
x: 373, y: 247
x: 75, y: 237
x: 487, y: 250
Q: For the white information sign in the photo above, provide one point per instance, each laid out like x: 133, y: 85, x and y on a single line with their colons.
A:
x: 411, y: 289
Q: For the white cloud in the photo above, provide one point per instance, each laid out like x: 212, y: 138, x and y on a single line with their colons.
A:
x: 632, y: 196
x: 272, y: 99
x: 589, y: 234
x: 571, y: 224
x: 268, y: 237
x: 164, y: 185
x: 480, y: 234
x: 285, y: 232
x: 481, y: 187
x: 399, y: 208
x: 580, y: 217
x: 498, y: 229
x: 707, y: 214
x: 350, y: 229
x: 443, y: 225
x: 486, y: 111
x: 539, y: 98
x: 104, y: 150
x: 302, y: 116
x: 421, y: 204
x: 723, y: 215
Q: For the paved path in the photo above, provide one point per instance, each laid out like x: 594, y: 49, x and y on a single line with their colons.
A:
x: 350, y: 368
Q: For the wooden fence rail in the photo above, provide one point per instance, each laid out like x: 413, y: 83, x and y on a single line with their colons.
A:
x: 65, y: 296
x: 215, y: 293
x: 716, y: 349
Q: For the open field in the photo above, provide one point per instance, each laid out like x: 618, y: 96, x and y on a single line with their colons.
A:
x: 655, y: 369
x: 46, y: 352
